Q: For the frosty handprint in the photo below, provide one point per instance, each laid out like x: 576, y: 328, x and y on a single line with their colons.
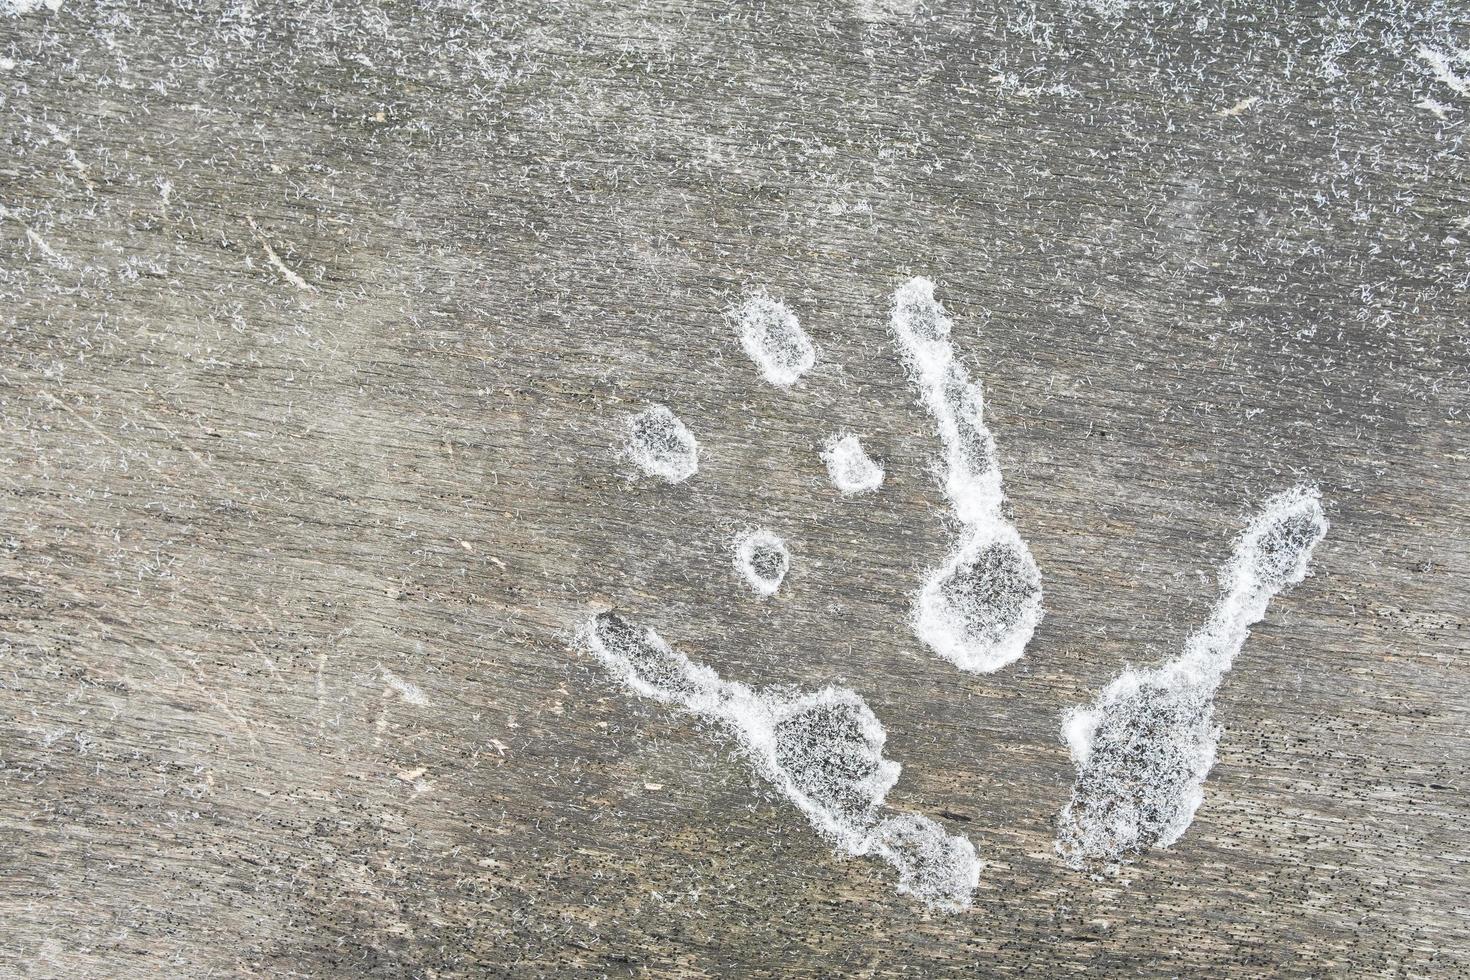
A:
x: 1142, y: 751
x: 824, y: 750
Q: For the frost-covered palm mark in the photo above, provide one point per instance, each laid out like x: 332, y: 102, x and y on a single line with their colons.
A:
x: 979, y: 609
x: 772, y: 337
x: 661, y: 445
x: 823, y: 750
x: 1143, y: 749
x: 849, y: 467
x: 762, y: 560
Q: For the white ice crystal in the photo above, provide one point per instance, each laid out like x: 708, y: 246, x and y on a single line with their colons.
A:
x: 662, y: 446
x: 1144, y: 747
x: 823, y: 750
x: 849, y: 467
x: 979, y: 609
x: 762, y: 559
x: 772, y: 337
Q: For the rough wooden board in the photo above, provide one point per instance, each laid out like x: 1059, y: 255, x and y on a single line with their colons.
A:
x: 242, y: 517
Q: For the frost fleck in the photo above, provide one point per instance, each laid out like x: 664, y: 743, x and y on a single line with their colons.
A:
x: 823, y: 750
x: 774, y: 340
x: 1144, y: 748
x: 851, y: 470
x: 661, y: 445
x: 1439, y: 109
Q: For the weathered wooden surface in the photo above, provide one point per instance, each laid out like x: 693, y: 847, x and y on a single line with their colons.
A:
x: 248, y: 501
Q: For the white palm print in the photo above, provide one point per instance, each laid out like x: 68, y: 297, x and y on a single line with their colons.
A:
x: 1142, y: 751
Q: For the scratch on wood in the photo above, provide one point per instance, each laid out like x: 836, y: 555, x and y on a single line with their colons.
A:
x: 35, y: 239
x: 275, y: 260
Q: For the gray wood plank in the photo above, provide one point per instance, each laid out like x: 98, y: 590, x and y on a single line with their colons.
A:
x: 320, y: 327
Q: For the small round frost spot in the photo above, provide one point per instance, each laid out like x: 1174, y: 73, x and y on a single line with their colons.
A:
x: 851, y: 470
x: 662, y: 446
x: 762, y: 559
x: 773, y: 339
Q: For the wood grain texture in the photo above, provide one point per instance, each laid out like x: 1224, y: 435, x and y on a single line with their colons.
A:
x: 320, y: 327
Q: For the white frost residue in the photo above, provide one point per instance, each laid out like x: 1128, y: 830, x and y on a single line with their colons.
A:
x: 1439, y: 109
x: 662, y: 446
x: 762, y: 560
x: 1443, y: 67
x: 16, y: 7
x: 407, y: 690
x: 823, y: 750
x: 979, y: 609
x: 851, y: 470
x: 1240, y: 108
x: 774, y: 340
x: 883, y: 11
x: 1143, y: 749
